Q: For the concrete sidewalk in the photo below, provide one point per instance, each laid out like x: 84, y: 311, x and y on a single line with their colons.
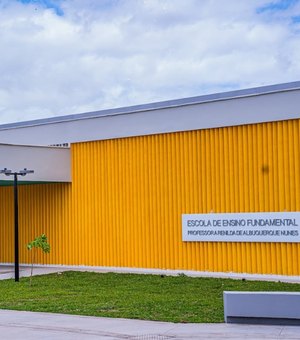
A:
x: 31, y: 325
x: 8, y: 271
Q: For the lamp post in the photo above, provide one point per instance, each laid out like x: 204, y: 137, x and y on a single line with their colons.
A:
x: 23, y: 172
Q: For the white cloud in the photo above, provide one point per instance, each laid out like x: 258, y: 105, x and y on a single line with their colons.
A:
x: 104, y: 54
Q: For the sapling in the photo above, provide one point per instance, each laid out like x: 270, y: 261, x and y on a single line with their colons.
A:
x: 39, y: 242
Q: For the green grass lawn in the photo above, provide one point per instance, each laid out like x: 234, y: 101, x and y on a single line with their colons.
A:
x: 151, y: 297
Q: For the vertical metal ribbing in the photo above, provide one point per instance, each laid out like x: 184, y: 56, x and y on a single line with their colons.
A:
x: 157, y: 178
x: 124, y: 205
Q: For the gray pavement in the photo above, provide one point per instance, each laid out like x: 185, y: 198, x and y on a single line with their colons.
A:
x: 33, y: 326
x: 8, y: 271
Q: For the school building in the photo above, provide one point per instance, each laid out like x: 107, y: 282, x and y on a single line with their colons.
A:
x: 120, y: 187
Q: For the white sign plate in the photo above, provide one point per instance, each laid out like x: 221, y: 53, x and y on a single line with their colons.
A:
x: 242, y: 227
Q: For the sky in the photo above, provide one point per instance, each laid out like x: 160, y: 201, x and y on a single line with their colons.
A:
x: 60, y: 57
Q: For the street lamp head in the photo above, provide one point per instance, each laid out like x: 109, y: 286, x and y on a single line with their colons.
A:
x: 25, y: 172
x: 6, y: 172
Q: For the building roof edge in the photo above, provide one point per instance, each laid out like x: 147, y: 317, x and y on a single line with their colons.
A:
x: 229, y: 95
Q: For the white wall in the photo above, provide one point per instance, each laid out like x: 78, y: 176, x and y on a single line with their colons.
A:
x: 181, y: 115
x: 51, y: 164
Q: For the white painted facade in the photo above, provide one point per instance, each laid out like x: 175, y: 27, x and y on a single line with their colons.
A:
x: 251, y: 106
x: 50, y: 164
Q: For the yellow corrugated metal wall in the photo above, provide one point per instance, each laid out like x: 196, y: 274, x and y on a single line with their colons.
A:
x: 43, y: 208
x: 125, y: 203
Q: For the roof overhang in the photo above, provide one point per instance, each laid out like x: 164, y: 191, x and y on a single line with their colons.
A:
x: 50, y: 164
x: 257, y: 105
